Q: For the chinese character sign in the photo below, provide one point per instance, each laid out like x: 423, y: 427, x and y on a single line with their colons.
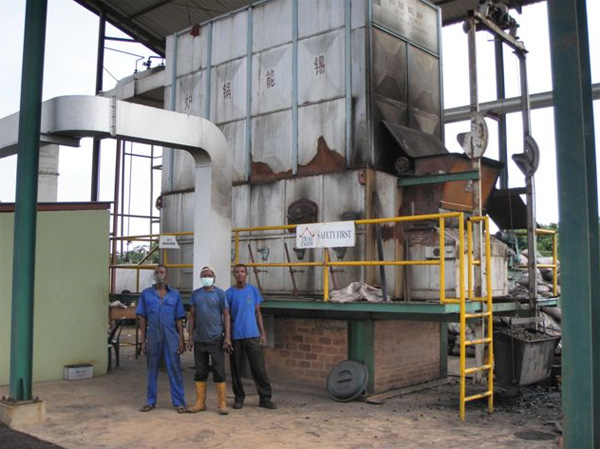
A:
x: 319, y: 64
x: 227, y: 90
x: 270, y: 78
x: 326, y: 235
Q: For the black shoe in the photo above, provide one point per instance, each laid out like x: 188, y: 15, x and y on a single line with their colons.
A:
x: 238, y: 403
x: 267, y: 404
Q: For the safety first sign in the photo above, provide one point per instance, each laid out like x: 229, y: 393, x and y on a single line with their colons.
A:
x: 335, y: 234
x: 168, y: 242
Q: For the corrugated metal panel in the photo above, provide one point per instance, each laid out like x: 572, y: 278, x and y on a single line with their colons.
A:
x: 322, y: 131
x: 267, y: 205
x: 230, y: 37
x: 389, y: 67
x: 272, y: 146
x: 271, y: 25
x: 190, y: 93
x: 272, y: 80
x: 150, y: 24
x: 240, y: 212
x: 228, y: 97
x: 235, y: 133
x: 316, y: 17
x: 412, y: 19
x: 321, y: 67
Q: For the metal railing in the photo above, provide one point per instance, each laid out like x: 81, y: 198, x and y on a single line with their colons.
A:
x: 327, y: 264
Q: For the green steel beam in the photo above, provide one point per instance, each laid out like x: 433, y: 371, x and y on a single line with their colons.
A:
x: 437, y: 179
x: 361, y: 347
x: 21, y: 344
x: 578, y: 218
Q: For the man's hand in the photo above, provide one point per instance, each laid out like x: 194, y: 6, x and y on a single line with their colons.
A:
x: 180, y: 347
x: 263, y: 340
x: 190, y: 345
x: 227, y: 346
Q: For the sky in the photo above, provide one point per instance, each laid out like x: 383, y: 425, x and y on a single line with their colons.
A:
x: 70, y: 62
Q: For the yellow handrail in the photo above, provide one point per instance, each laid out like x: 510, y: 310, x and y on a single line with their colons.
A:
x: 326, y: 263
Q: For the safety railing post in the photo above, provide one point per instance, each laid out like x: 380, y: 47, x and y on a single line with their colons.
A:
x: 325, y: 274
x: 442, y: 260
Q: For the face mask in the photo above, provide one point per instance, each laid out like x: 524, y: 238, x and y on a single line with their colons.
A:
x: 207, y: 282
x: 159, y: 279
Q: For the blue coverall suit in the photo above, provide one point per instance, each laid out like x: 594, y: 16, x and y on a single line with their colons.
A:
x: 162, y: 340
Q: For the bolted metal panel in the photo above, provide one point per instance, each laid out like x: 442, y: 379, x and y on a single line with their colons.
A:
x: 190, y: 93
x: 310, y: 188
x: 344, y: 198
x: 425, y: 280
x: 271, y: 80
x: 184, y: 167
x: 321, y: 67
x: 271, y: 146
x: 272, y: 279
x: 317, y: 17
x: 345, y: 194
x: 178, y: 215
x: 424, y: 91
x: 389, y: 67
x: 358, y: 11
x: 321, y: 139
x: 240, y: 212
x: 191, y: 52
x: 228, y: 92
x: 267, y: 205
x: 413, y: 19
x: 229, y: 38
x: 360, y: 136
x: 235, y: 133
x: 271, y: 24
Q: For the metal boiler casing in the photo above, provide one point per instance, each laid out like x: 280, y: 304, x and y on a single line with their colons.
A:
x: 300, y: 89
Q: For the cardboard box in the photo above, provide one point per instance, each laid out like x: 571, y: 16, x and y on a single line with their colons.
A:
x: 78, y: 371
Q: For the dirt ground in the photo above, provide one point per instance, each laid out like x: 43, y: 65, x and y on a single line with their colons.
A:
x: 103, y: 413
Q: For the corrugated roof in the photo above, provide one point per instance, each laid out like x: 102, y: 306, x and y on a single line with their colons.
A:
x: 151, y: 21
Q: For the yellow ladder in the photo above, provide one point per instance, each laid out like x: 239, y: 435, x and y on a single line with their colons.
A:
x: 485, y: 316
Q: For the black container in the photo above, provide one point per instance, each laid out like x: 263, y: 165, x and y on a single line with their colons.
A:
x: 523, y: 357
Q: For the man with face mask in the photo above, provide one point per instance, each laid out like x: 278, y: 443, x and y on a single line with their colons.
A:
x: 210, y: 327
x: 161, y: 315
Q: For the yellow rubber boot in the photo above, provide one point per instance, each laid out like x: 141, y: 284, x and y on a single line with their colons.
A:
x: 200, y: 398
x: 221, y: 394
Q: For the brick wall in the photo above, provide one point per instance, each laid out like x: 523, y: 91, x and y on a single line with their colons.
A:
x: 305, y: 350
x: 406, y: 353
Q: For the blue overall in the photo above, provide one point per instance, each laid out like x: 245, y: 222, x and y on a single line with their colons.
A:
x: 162, y: 340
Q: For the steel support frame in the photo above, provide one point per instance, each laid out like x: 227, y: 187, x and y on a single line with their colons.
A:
x: 578, y: 217
x: 361, y: 347
x: 23, y: 280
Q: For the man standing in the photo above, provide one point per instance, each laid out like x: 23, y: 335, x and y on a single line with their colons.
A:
x: 161, y: 315
x: 209, y: 325
x: 248, y: 337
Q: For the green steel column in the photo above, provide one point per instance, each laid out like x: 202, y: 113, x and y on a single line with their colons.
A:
x: 361, y: 347
x: 578, y: 214
x: 21, y: 345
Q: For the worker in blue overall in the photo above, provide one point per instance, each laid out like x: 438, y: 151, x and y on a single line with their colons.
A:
x: 161, y: 315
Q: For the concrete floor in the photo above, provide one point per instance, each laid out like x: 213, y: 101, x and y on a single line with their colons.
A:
x: 103, y: 413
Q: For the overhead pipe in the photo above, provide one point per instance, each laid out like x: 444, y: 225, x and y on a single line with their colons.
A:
x: 508, y: 105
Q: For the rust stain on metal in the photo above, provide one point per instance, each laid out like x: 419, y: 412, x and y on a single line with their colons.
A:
x: 261, y: 172
x: 325, y: 161
x: 392, y: 231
